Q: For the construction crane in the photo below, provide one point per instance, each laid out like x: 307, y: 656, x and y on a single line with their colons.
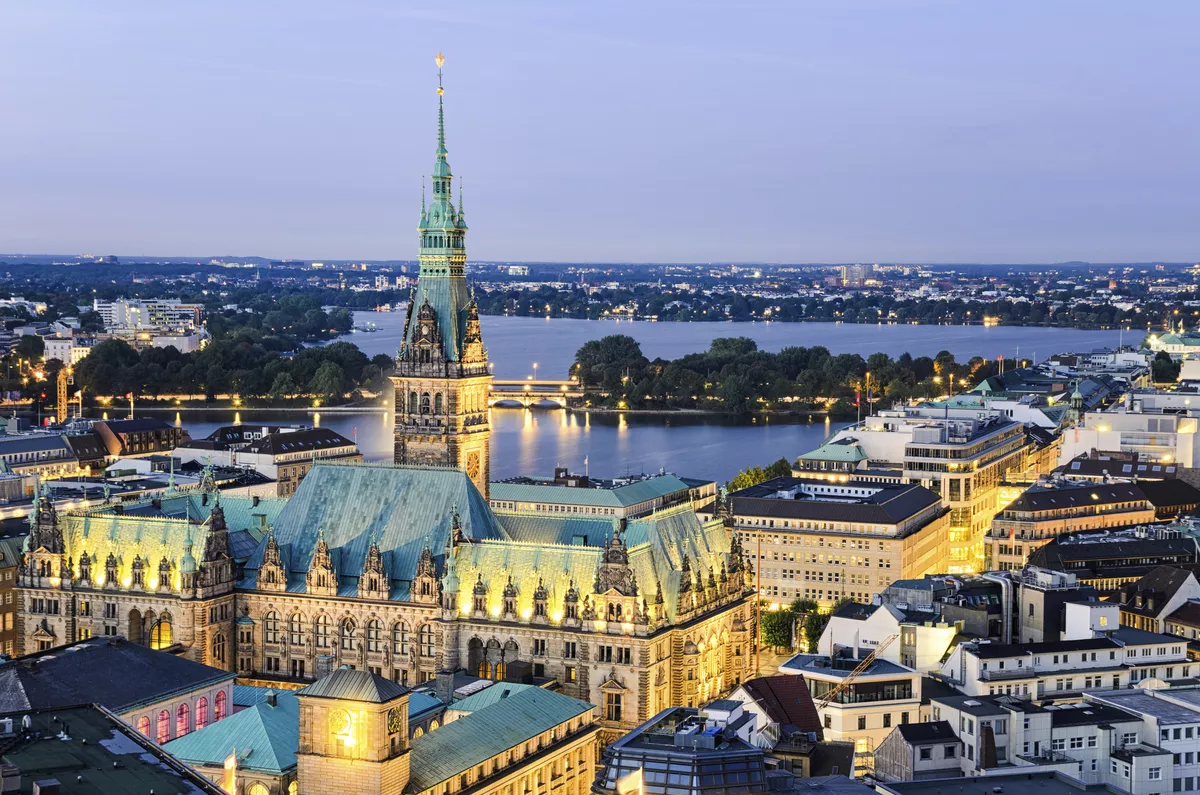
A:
x: 826, y: 699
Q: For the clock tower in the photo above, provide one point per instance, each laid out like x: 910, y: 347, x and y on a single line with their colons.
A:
x: 442, y: 378
x: 353, y: 734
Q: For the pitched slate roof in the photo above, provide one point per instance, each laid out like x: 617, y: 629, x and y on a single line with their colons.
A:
x: 1163, y: 582
x: 308, y: 440
x: 353, y: 685
x: 1072, y: 496
x: 472, y: 739
x: 265, y: 737
x: 1188, y: 613
x: 787, y: 701
x: 111, y: 672
x: 937, y: 731
x: 887, y: 503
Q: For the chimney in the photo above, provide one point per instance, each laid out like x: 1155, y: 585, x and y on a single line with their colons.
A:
x: 443, y: 686
x: 46, y: 786
x: 272, y: 698
x: 257, y: 499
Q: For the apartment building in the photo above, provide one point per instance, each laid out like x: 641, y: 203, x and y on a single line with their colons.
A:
x: 822, y: 540
x: 1149, y: 603
x: 1108, y: 559
x: 149, y: 314
x: 882, y: 696
x: 1159, y: 426
x: 1063, y: 669
x: 1171, y: 720
x: 1092, y: 741
x: 1059, y: 506
x: 920, y: 638
x: 962, y: 455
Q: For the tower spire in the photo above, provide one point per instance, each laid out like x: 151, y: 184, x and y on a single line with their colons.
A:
x: 439, y: 60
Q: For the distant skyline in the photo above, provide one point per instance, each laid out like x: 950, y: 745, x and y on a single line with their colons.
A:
x: 790, y: 132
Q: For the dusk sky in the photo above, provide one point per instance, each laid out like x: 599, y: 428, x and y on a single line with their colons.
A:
x: 836, y: 131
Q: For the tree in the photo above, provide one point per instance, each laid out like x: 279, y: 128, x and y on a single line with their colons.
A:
x: 776, y: 628
x: 283, y: 386
x: 329, y: 381
x: 814, y: 626
x: 30, y: 347
x: 1165, y: 369
x: 803, y: 606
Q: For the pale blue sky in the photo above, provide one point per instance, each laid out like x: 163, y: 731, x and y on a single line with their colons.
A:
x: 896, y: 130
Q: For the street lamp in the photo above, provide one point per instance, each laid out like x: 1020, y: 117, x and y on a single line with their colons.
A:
x: 535, y: 371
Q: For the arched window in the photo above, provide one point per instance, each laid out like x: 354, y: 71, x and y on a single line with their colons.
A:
x: 322, y: 632
x: 374, y: 636
x: 218, y: 647
x: 219, y: 706
x: 296, y: 629
x: 433, y: 724
x: 427, y: 640
x: 424, y: 402
x: 162, y: 732
x: 144, y: 725
x: 419, y: 731
x: 412, y: 403
x: 258, y: 789
x: 349, y: 634
x: 501, y: 671
x: 183, y: 719
x: 201, y: 712
x: 160, y: 632
x: 437, y: 403
x: 271, y: 627
x: 483, y: 670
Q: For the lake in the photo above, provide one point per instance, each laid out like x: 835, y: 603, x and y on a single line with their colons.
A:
x: 515, y: 343
x: 534, y: 441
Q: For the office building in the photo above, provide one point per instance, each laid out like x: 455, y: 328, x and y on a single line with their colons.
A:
x: 963, y: 459
x: 149, y: 314
x: 821, y: 540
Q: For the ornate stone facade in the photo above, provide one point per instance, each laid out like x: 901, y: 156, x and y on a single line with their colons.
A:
x: 377, y: 568
x: 442, y: 378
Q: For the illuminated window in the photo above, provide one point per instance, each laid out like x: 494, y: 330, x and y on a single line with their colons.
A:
x: 182, y: 722
x: 349, y: 634
x: 1104, y: 621
x: 160, y: 633
x: 144, y: 725
x: 219, y: 706
x: 258, y: 789
x: 163, y: 732
x: 201, y: 712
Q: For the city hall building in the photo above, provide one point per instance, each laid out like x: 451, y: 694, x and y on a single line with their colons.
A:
x: 402, y: 570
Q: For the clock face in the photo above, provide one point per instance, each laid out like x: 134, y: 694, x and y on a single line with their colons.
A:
x: 395, y: 721
x: 473, y: 466
x: 339, y: 721
x: 424, y: 329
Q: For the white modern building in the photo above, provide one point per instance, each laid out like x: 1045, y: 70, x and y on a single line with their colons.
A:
x: 150, y: 314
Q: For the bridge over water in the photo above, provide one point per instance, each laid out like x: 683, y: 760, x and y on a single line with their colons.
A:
x: 529, y: 392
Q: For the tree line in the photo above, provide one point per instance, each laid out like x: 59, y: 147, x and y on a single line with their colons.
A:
x: 734, y: 376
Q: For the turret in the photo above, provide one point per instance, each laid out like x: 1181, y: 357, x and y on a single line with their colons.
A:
x: 539, y: 604
x: 373, y: 581
x: 321, y: 578
x: 272, y: 576
x: 509, y: 612
x: 479, y: 597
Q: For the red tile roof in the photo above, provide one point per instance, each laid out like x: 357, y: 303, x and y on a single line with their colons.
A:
x: 786, y: 701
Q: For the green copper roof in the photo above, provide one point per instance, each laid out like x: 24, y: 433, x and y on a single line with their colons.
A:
x: 442, y: 754
x: 489, y: 695
x: 619, y: 497
x: 557, y: 551
x: 265, y: 737
x: 354, y: 685
x: 404, y: 507
x: 836, y: 452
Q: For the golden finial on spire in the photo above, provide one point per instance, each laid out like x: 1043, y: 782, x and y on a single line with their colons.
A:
x: 439, y: 60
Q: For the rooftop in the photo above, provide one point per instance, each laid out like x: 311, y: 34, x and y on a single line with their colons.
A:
x: 475, y: 738
x: 805, y: 498
x: 108, y: 756
x: 1050, y: 783
x: 1168, y: 706
x: 786, y: 701
x: 936, y: 731
x: 619, y: 493
x: 265, y: 737
x: 823, y: 666
x: 354, y: 685
x: 109, y: 671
